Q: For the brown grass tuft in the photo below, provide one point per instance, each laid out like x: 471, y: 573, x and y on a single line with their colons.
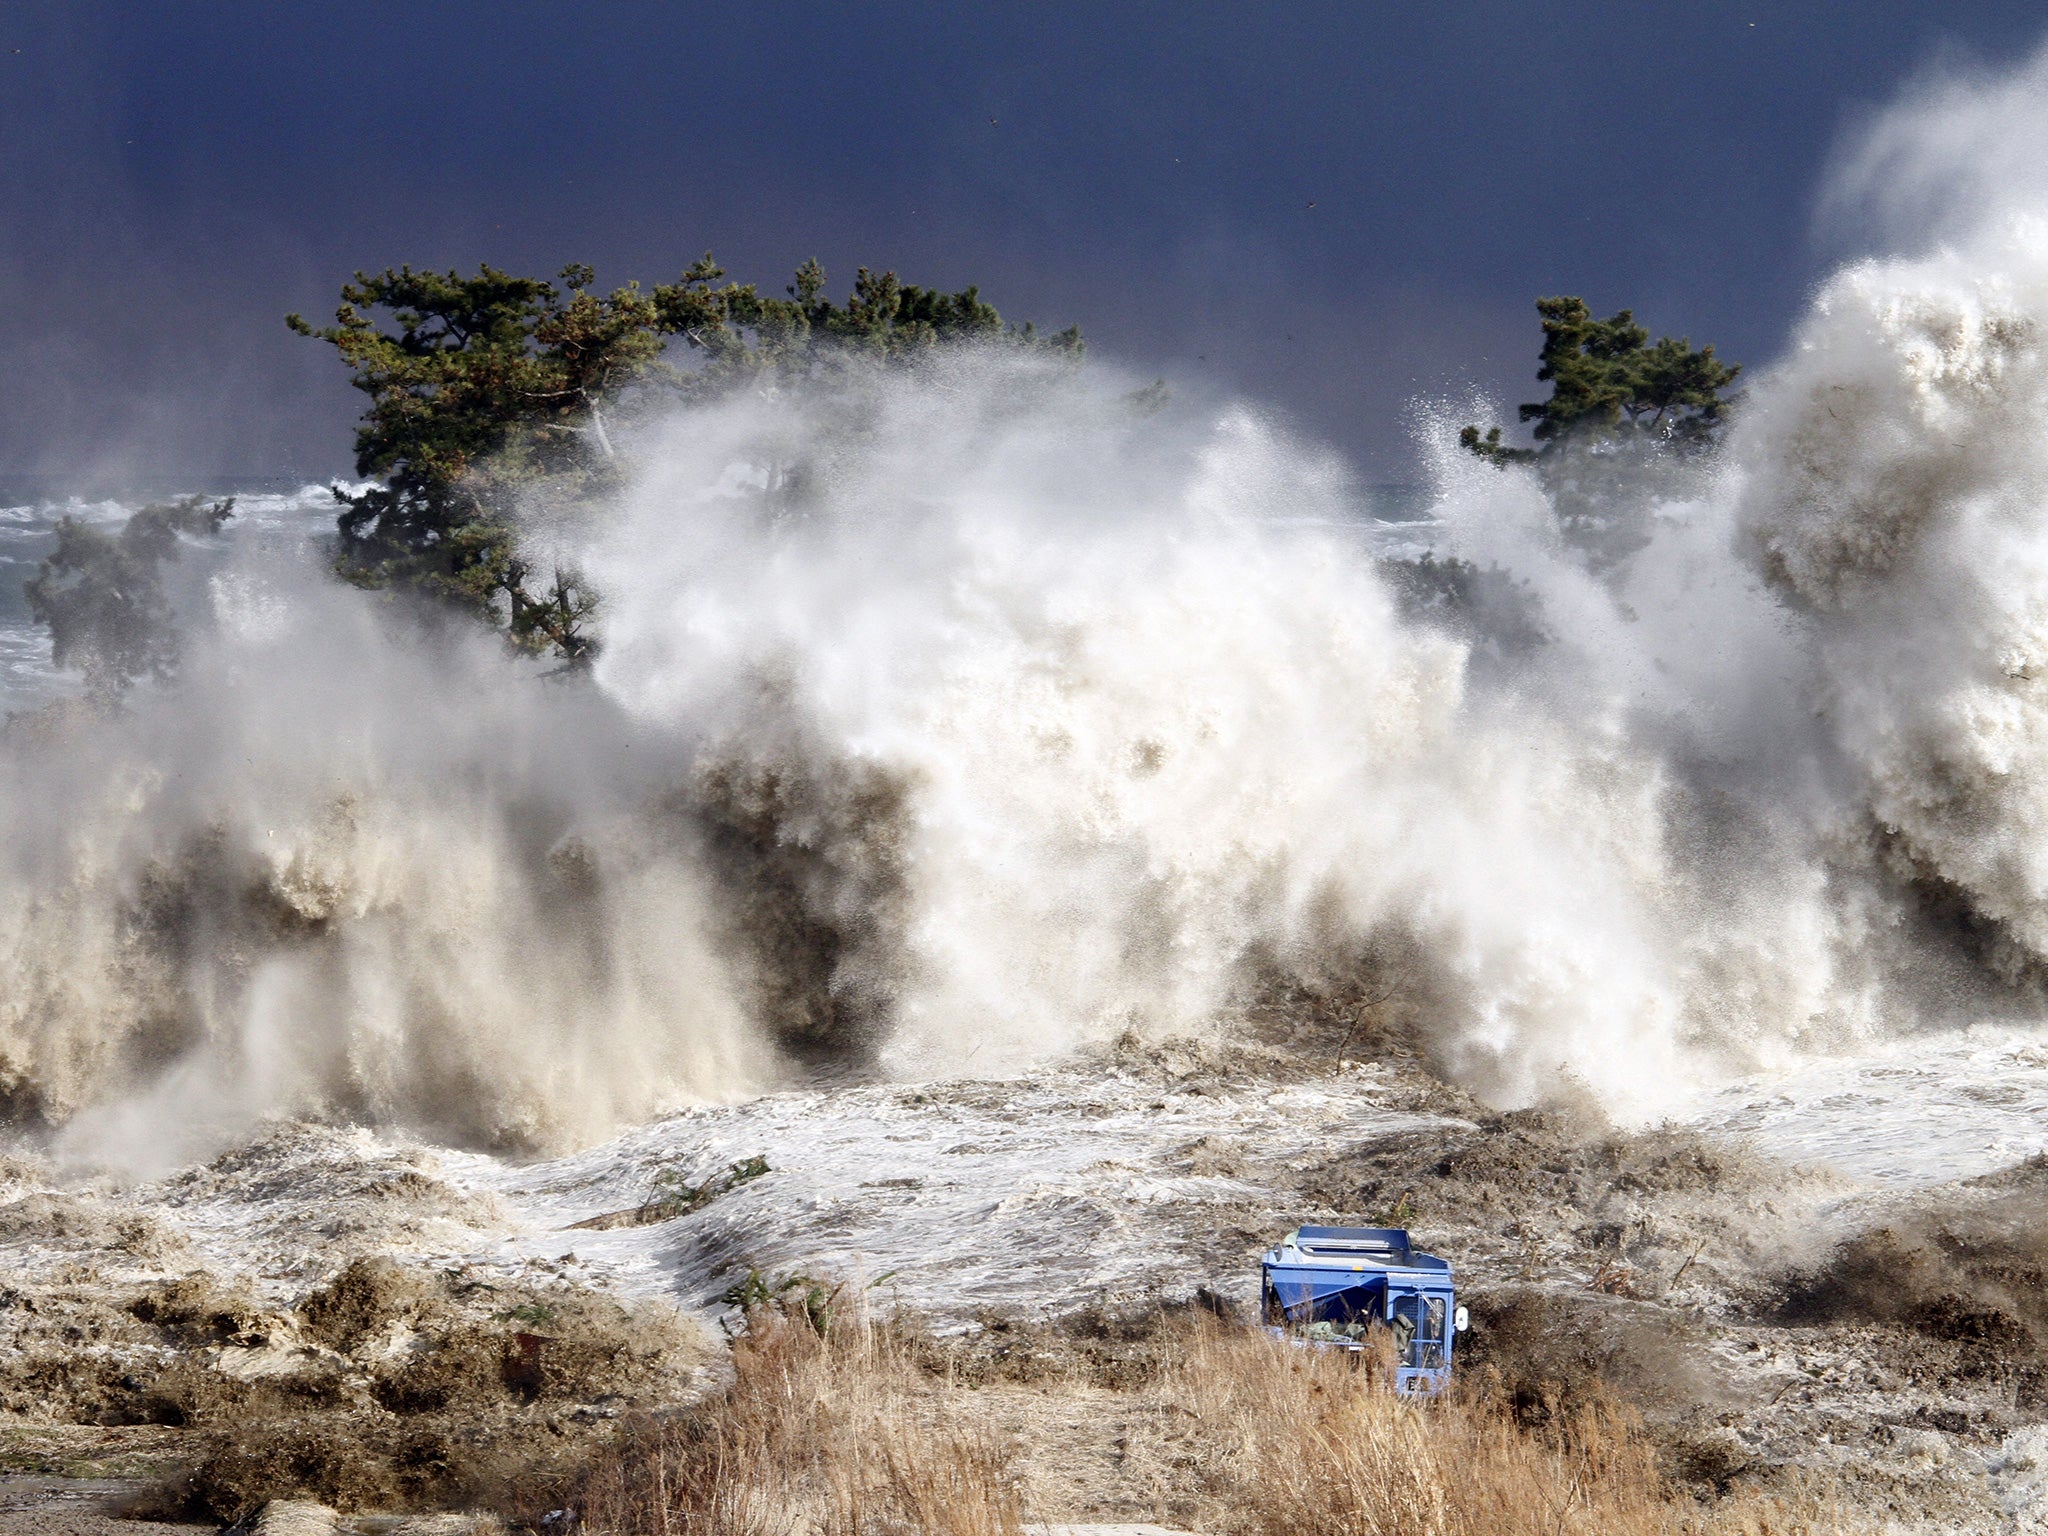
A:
x: 1314, y: 1441
x: 836, y: 1432
x: 855, y: 1430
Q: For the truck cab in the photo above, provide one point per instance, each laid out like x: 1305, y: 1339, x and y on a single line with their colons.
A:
x: 1331, y: 1286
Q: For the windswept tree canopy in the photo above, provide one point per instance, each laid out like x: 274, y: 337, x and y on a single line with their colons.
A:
x: 488, y: 388
x: 1609, y: 381
x: 1623, y: 410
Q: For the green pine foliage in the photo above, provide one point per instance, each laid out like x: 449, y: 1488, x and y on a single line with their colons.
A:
x: 1609, y: 381
x: 1623, y: 412
x: 489, y: 392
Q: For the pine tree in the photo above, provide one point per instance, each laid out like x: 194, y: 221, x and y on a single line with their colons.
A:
x: 487, y: 392
x: 1608, y: 381
x: 1621, y: 408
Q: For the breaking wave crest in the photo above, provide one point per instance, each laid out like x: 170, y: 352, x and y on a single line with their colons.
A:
x: 953, y: 719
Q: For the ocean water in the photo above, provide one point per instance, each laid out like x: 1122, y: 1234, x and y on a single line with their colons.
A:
x: 1033, y: 726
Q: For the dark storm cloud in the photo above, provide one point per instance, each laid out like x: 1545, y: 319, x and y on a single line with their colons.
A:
x: 1334, y: 206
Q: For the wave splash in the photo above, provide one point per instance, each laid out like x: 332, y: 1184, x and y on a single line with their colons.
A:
x: 948, y: 721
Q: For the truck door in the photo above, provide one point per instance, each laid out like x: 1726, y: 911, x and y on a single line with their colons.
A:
x: 1418, y: 1323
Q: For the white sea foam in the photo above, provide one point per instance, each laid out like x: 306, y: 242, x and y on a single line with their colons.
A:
x: 950, y: 719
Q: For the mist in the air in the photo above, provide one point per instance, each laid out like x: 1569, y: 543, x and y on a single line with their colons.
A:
x: 950, y: 719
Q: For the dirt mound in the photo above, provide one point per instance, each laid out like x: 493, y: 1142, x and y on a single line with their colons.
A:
x: 412, y: 1390
x: 384, y: 1387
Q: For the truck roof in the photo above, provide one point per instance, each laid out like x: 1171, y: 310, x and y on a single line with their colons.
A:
x: 1353, y: 1249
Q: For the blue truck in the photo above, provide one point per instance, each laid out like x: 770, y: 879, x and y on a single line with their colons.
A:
x: 1332, y: 1286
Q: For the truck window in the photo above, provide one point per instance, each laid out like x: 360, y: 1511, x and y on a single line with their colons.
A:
x: 1341, y: 1317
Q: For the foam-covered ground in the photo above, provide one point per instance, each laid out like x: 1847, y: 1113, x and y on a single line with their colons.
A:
x: 1141, y: 1176
x: 1905, y: 1113
x: 1035, y: 1195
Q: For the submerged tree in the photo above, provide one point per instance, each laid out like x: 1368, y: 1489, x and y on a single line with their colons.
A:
x: 101, y: 594
x: 1484, y: 605
x: 1621, y: 409
x: 492, y: 391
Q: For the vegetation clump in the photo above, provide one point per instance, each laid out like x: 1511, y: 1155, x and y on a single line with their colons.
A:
x: 1623, y: 411
x: 860, y: 1425
x: 491, y: 393
x: 101, y: 593
x: 1485, y: 604
x: 673, y: 1195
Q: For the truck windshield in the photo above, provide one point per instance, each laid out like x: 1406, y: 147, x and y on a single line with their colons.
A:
x: 1418, y: 1323
x: 1342, y: 1316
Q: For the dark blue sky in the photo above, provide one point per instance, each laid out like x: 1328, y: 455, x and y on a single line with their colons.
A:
x: 173, y: 178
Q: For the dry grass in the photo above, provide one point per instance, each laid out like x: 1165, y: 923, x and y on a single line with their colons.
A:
x: 1309, y: 1441
x: 829, y: 1433
x: 856, y: 1431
